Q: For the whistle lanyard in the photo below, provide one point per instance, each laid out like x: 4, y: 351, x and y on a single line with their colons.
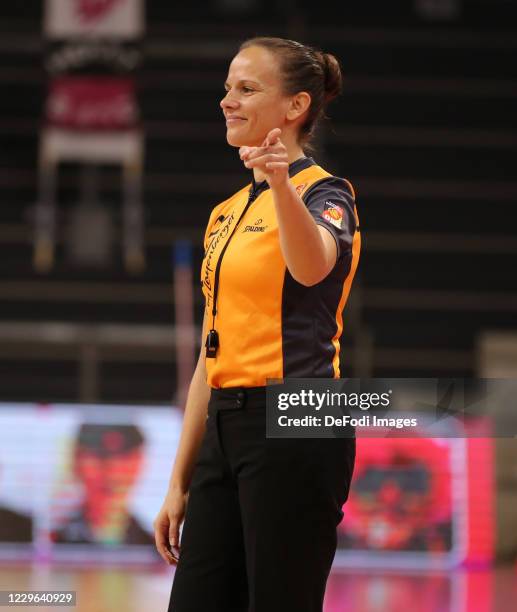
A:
x: 212, y: 338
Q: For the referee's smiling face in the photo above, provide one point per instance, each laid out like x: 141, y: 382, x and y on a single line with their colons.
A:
x: 254, y: 103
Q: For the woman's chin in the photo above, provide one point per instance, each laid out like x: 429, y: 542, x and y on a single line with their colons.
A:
x: 235, y: 140
x: 240, y: 140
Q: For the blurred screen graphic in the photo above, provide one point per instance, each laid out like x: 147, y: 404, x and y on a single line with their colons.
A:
x: 419, y: 502
x: 84, y: 482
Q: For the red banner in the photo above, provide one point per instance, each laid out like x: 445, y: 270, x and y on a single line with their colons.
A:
x: 65, y: 19
x: 92, y: 10
x: 92, y: 103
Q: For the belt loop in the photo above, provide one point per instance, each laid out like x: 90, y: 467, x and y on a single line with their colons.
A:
x: 240, y: 399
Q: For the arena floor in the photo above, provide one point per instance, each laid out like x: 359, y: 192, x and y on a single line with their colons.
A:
x: 136, y: 590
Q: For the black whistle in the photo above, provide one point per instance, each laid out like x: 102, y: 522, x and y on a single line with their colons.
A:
x: 212, y: 343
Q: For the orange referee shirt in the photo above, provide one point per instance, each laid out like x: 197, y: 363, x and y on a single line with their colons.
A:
x: 269, y: 325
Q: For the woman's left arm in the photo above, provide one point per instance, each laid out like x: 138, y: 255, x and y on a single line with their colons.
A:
x: 309, y: 250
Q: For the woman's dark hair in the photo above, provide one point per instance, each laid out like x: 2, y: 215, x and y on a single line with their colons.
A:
x: 304, y: 68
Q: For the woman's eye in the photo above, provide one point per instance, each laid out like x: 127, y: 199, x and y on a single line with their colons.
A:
x: 244, y: 89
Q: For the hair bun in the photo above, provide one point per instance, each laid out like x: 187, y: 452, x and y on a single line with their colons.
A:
x: 332, y: 75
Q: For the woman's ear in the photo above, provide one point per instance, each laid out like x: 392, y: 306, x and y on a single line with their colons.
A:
x: 299, y: 105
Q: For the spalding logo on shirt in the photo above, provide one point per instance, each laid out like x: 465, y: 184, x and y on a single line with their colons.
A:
x: 332, y: 213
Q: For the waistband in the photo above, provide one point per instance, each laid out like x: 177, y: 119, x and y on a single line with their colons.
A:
x: 237, y: 397
x: 223, y: 392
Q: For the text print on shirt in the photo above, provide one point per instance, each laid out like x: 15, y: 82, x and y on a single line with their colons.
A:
x: 210, y: 249
x: 256, y: 227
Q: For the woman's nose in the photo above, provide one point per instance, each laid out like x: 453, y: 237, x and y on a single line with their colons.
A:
x: 228, y: 102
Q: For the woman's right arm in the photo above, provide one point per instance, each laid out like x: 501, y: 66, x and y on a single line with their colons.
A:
x: 168, y: 521
x: 194, y: 423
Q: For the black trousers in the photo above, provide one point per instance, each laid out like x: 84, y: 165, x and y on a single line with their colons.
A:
x: 260, y: 525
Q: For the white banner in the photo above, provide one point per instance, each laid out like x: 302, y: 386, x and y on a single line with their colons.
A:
x: 91, y: 18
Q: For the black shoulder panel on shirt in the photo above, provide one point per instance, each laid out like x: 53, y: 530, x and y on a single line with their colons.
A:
x: 333, y: 194
x: 330, y: 182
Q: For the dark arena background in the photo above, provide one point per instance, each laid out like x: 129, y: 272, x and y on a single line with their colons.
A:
x: 112, y: 155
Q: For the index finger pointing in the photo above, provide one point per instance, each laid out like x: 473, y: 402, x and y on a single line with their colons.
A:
x: 272, y: 137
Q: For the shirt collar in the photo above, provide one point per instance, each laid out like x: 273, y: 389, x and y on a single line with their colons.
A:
x: 294, y: 167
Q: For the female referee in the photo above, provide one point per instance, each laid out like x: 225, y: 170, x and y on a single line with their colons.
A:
x: 280, y: 256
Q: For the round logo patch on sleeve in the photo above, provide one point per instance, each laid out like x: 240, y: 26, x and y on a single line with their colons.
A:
x: 332, y: 213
